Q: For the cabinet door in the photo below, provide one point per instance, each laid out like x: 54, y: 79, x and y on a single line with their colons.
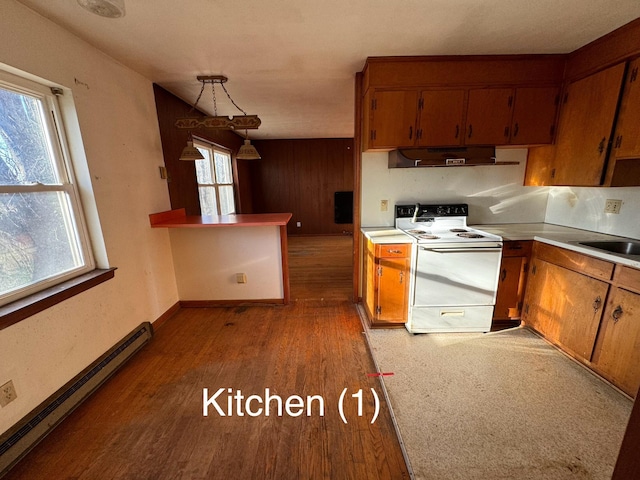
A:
x: 617, y: 355
x: 508, y: 296
x: 534, y: 115
x: 627, y: 138
x: 441, y: 115
x: 565, y: 306
x: 392, y: 290
x: 585, y: 125
x: 489, y: 116
x: 393, y: 118
x: 369, y: 297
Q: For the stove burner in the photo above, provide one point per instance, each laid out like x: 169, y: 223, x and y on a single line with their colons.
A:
x: 428, y: 237
x: 470, y: 235
x: 456, y: 230
x: 416, y: 232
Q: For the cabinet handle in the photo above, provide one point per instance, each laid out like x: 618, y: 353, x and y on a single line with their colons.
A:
x: 506, y: 132
x: 516, y: 129
x: 601, y: 145
x: 617, y: 313
x: 457, y: 131
x: 596, y: 304
x: 410, y: 133
x: 394, y: 251
x: 401, y: 277
x: 470, y: 130
x: 503, y: 275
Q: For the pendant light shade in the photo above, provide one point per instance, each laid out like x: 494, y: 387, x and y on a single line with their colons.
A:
x: 190, y: 153
x: 248, y: 152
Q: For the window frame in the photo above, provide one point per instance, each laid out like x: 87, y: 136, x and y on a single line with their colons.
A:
x: 58, y: 145
x: 213, y: 147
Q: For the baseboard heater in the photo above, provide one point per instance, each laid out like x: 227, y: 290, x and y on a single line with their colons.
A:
x: 20, y: 439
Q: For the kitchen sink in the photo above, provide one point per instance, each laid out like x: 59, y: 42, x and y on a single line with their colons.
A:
x: 620, y: 247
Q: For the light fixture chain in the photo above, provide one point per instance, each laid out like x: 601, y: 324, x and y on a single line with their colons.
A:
x: 234, y: 103
x: 213, y: 95
x: 197, y: 100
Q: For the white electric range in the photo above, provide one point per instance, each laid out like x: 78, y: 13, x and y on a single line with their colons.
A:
x: 454, y: 269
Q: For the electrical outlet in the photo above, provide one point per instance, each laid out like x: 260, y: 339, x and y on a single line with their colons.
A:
x: 7, y: 393
x: 298, y: 224
x: 612, y: 206
x: 241, y: 278
x: 384, y: 205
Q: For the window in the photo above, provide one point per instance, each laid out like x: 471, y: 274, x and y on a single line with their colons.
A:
x: 43, y: 238
x: 215, y: 180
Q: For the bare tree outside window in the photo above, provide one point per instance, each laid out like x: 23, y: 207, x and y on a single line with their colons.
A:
x: 40, y: 238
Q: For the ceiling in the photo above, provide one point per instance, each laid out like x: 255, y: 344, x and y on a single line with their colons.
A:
x: 292, y: 62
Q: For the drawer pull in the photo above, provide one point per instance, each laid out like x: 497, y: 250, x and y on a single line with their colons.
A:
x: 596, y: 304
x: 394, y: 251
x: 617, y: 313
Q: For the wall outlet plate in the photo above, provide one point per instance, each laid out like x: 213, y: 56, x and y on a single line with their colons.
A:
x: 7, y: 393
x: 612, y: 206
x: 384, y: 205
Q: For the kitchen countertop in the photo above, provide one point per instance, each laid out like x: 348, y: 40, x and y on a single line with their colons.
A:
x: 385, y: 235
x: 564, y: 237
x: 178, y: 219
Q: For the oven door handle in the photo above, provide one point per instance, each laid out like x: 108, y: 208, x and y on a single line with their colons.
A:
x: 462, y: 250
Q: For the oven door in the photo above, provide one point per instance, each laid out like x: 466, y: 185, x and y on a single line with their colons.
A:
x: 460, y: 275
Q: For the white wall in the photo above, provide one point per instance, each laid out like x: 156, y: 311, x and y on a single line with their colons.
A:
x: 207, y: 260
x: 583, y: 207
x: 119, y: 126
x: 494, y: 193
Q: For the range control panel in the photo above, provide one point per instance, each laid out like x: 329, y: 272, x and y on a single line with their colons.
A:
x: 447, y: 210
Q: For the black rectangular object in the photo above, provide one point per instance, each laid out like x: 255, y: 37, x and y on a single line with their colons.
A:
x: 343, y: 207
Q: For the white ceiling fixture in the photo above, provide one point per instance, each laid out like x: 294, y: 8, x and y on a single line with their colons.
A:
x: 295, y: 61
x: 104, y: 8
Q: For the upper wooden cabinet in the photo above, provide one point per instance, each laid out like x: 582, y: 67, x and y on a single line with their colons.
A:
x: 534, y: 115
x: 585, y: 127
x: 433, y: 101
x: 392, y: 118
x: 624, y: 162
x: 489, y: 116
x: 441, y: 117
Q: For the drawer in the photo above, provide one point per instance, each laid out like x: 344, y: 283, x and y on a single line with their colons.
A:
x: 578, y: 262
x: 517, y: 248
x: 393, y: 250
x: 628, y: 277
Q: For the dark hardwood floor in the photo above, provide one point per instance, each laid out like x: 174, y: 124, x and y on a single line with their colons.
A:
x: 147, y: 421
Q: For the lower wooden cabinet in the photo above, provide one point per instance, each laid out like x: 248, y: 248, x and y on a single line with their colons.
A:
x: 386, y: 293
x: 512, y: 280
x: 565, y: 307
x: 589, y: 308
x: 617, y: 353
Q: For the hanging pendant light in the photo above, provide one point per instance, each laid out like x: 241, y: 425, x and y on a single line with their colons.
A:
x: 190, y: 153
x: 248, y: 151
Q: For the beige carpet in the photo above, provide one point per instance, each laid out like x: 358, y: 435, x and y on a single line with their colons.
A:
x: 503, y: 405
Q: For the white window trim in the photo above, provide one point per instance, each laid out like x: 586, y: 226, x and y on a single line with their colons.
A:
x: 54, y: 126
x: 213, y: 147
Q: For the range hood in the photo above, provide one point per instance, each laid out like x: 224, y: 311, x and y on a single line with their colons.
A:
x: 444, y: 157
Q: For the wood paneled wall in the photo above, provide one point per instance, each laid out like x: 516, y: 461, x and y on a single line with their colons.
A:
x: 301, y: 176
x: 183, y: 188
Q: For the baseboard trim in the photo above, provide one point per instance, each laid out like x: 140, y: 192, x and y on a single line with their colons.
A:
x: 162, y: 319
x: 229, y: 303
x: 20, y: 439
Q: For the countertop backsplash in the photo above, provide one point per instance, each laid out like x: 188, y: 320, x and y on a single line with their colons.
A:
x: 583, y: 207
